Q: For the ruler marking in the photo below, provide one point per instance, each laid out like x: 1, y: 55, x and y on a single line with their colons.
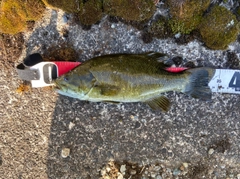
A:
x: 225, y: 81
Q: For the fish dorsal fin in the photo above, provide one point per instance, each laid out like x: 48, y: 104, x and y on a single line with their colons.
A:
x: 155, y: 54
x: 159, y: 103
x: 161, y: 57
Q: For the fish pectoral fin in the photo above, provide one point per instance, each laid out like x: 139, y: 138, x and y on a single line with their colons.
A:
x: 159, y: 103
x: 107, y: 90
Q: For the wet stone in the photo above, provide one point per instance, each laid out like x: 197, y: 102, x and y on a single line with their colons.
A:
x: 210, y: 151
x: 133, y: 172
x: 137, y: 125
x: 238, y: 176
x: 71, y: 125
x: 123, y: 169
x: 177, y: 60
x: 189, y: 64
x: 158, y: 177
x: 65, y: 152
x: 176, y: 172
x: 185, y: 165
x: 147, y: 37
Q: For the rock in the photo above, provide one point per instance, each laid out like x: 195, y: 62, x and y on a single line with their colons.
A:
x: 65, y: 152
x: 176, y: 172
x: 103, y: 172
x: 113, y: 26
x: 71, y: 125
x: 108, y: 169
x: 133, y: 172
x: 120, y: 176
x: 182, y: 167
x: 210, y: 152
x: 123, y: 169
x: 177, y: 60
x: 238, y: 176
x: 153, y: 175
x: 185, y: 165
x: 64, y: 19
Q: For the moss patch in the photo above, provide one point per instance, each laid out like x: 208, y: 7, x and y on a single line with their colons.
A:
x: 219, y: 28
x: 15, y: 13
x: 237, y: 12
x: 186, y: 14
x: 131, y: 10
x: 160, y: 28
x: 70, y: 6
x: 90, y: 12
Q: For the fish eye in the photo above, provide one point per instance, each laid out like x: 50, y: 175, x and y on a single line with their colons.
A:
x: 66, y: 78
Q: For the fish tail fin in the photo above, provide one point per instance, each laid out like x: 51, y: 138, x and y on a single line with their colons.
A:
x: 197, y: 86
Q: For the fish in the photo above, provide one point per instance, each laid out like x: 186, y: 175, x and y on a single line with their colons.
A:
x: 123, y: 78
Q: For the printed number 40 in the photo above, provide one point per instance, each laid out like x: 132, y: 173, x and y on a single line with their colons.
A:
x: 235, y: 81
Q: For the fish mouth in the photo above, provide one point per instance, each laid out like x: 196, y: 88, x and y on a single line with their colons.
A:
x: 60, y: 87
x: 57, y: 85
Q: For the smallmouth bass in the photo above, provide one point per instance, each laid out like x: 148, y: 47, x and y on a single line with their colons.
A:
x: 133, y: 78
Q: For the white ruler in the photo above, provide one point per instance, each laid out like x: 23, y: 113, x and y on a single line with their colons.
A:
x: 225, y: 81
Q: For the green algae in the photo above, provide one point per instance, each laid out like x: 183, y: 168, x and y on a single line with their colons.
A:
x: 219, y: 28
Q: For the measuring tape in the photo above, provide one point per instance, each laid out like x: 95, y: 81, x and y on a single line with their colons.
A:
x: 225, y: 81
x: 41, y: 73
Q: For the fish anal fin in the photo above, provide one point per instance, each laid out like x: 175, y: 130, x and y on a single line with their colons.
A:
x: 159, y: 103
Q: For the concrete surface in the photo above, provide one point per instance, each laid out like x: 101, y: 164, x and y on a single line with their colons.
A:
x: 43, y: 135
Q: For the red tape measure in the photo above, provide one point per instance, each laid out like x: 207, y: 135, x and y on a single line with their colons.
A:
x: 41, y: 73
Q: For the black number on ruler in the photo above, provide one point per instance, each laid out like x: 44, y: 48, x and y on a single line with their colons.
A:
x: 235, y: 81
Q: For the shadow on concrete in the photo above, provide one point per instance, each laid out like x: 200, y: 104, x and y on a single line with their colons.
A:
x: 98, y: 132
